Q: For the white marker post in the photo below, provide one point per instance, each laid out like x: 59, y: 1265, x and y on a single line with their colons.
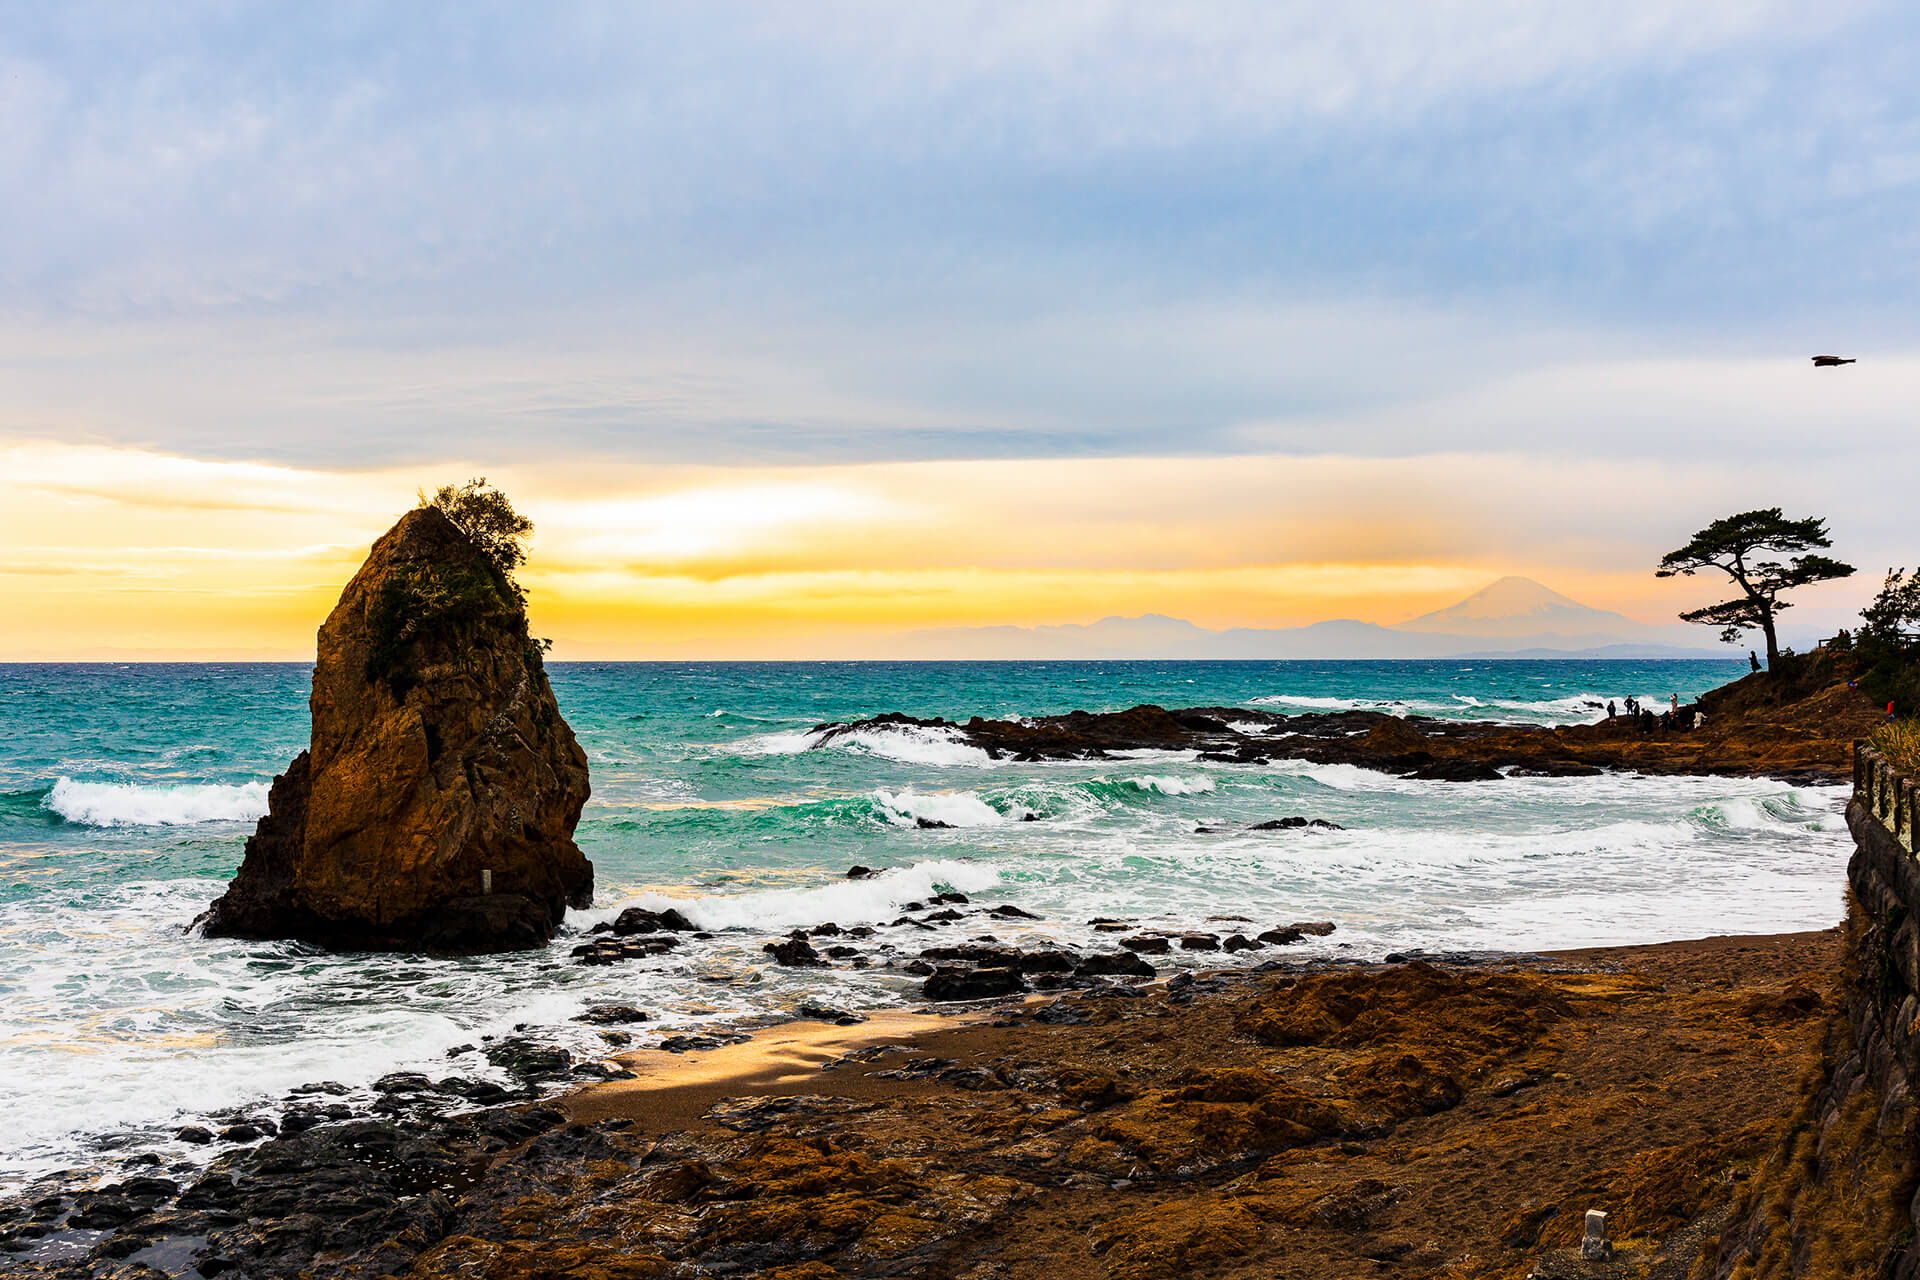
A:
x: 1594, y: 1246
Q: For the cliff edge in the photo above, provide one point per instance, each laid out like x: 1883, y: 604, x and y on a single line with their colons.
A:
x: 435, y: 807
x: 1838, y: 1196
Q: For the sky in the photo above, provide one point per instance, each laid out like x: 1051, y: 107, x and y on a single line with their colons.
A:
x: 798, y: 327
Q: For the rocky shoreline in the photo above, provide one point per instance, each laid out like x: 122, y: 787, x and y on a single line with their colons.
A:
x: 1745, y: 729
x: 1312, y: 1118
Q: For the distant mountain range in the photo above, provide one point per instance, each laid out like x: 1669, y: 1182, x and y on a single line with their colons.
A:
x: 1510, y: 618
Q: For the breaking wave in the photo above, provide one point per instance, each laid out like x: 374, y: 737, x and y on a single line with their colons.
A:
x: 126, y: 804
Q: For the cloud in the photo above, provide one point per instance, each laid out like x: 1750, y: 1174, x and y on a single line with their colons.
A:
x: 737, y: 293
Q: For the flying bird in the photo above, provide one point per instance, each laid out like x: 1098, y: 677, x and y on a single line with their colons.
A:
x: 1828, y: 362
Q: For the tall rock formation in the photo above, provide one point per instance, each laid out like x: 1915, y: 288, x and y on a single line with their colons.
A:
x: 435, y: 807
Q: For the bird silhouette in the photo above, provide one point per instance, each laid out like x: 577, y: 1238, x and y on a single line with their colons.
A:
x: 1828, y: 362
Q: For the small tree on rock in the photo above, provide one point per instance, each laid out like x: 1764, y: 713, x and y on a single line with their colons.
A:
x: 484, y: 514
x: 1745, y: 547
x: 1892, y: 621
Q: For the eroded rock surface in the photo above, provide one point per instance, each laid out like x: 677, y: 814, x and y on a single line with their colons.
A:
x: 435, y: 806
x: 1803, y: 730
x: 1411, y: 1120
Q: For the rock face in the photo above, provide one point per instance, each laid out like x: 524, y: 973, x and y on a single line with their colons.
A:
x: 435, y: 807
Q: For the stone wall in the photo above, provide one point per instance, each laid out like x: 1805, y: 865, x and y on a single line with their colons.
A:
x: 1838, y: 1199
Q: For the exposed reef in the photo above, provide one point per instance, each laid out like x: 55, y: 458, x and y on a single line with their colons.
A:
x: 1755, y: 726
x: 435, y: 807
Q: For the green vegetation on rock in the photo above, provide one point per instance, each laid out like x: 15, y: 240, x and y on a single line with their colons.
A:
x: 1899, y: 742
x: 485, y: 515
x: 441, y: 601
x: 1887, y: 648
x: 447, y: 602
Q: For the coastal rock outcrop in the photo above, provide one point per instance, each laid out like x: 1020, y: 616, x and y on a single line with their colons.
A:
x: 1800, y: 728
x: 435, y: 807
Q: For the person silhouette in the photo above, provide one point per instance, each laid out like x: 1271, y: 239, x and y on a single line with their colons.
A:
x: 1754, y: 658
x: 1611, y: 711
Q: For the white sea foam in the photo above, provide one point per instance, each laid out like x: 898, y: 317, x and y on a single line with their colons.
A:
x: 1318, y: 704
x: 913, y: 744
x: 868, y: 901
x: 790, y: 743
x: 1169, y: 786
x: 907, y: 743
x: 1568, y: 708
x: 949, y: 808
x: 125, y: 804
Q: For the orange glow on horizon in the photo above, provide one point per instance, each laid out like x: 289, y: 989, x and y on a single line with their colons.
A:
x: 124, y: 553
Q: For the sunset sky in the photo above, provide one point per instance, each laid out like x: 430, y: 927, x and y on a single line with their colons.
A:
x: 799, y: 327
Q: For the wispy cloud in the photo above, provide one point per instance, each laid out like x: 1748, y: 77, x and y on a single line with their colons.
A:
x: 1142, y: 289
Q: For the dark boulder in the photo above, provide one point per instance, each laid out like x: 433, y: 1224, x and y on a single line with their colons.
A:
x: 952, y: 982
x: 1115, y: 964
x: 795, y: 953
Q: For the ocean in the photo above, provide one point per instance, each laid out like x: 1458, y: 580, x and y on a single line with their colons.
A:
x: 128, y: 791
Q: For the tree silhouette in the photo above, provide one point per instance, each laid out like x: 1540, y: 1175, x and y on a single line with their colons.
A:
x: 484, y: 514
x: 1736, y: 545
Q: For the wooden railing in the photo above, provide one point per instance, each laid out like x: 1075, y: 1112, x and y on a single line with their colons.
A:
x: 1886, y: 793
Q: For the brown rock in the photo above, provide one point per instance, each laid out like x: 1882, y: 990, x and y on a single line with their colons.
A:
x: 436, y: 804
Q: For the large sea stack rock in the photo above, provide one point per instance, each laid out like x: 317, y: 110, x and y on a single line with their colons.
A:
x: 435, y: 808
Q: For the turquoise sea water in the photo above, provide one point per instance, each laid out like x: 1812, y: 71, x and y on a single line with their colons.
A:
x: 127, y: 792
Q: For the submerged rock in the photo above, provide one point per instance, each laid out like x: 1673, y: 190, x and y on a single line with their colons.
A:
x: 435, y: 807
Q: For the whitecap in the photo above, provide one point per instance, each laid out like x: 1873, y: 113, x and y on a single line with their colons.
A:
x: 1169, y: 786
x: 948, y: 808
x: 776, y: 744
x: 914, y: 744
x: 126, y: 804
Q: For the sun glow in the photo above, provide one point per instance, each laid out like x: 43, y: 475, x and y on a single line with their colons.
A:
x: 127, y: 553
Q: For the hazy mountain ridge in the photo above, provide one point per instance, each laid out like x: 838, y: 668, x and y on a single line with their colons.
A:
x: 1512, y: 617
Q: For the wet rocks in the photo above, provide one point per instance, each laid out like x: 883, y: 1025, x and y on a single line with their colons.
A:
x: 636, y: 920
x: 1119, y: 964
x: 1288, y: 934
x: 828, y: 1013
x: 1757, y: 727
x: 795, y: 953
x: 529, y: 1061
x: 1456, y: 771
x: 701, y: 1040
x: 613, y: 950
x: 1151, y: 944
x: 612, y: 1015
x: 1295, y: 824
x: 955, y: 982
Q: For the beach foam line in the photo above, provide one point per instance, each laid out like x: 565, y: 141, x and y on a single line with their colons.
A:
x: 128, y: 804
x: 870, y: 901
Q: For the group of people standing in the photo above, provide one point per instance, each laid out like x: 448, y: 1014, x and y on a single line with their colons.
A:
x: 1674, y: 716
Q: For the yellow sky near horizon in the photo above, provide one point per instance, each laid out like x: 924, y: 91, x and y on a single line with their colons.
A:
x: 116, y: 552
